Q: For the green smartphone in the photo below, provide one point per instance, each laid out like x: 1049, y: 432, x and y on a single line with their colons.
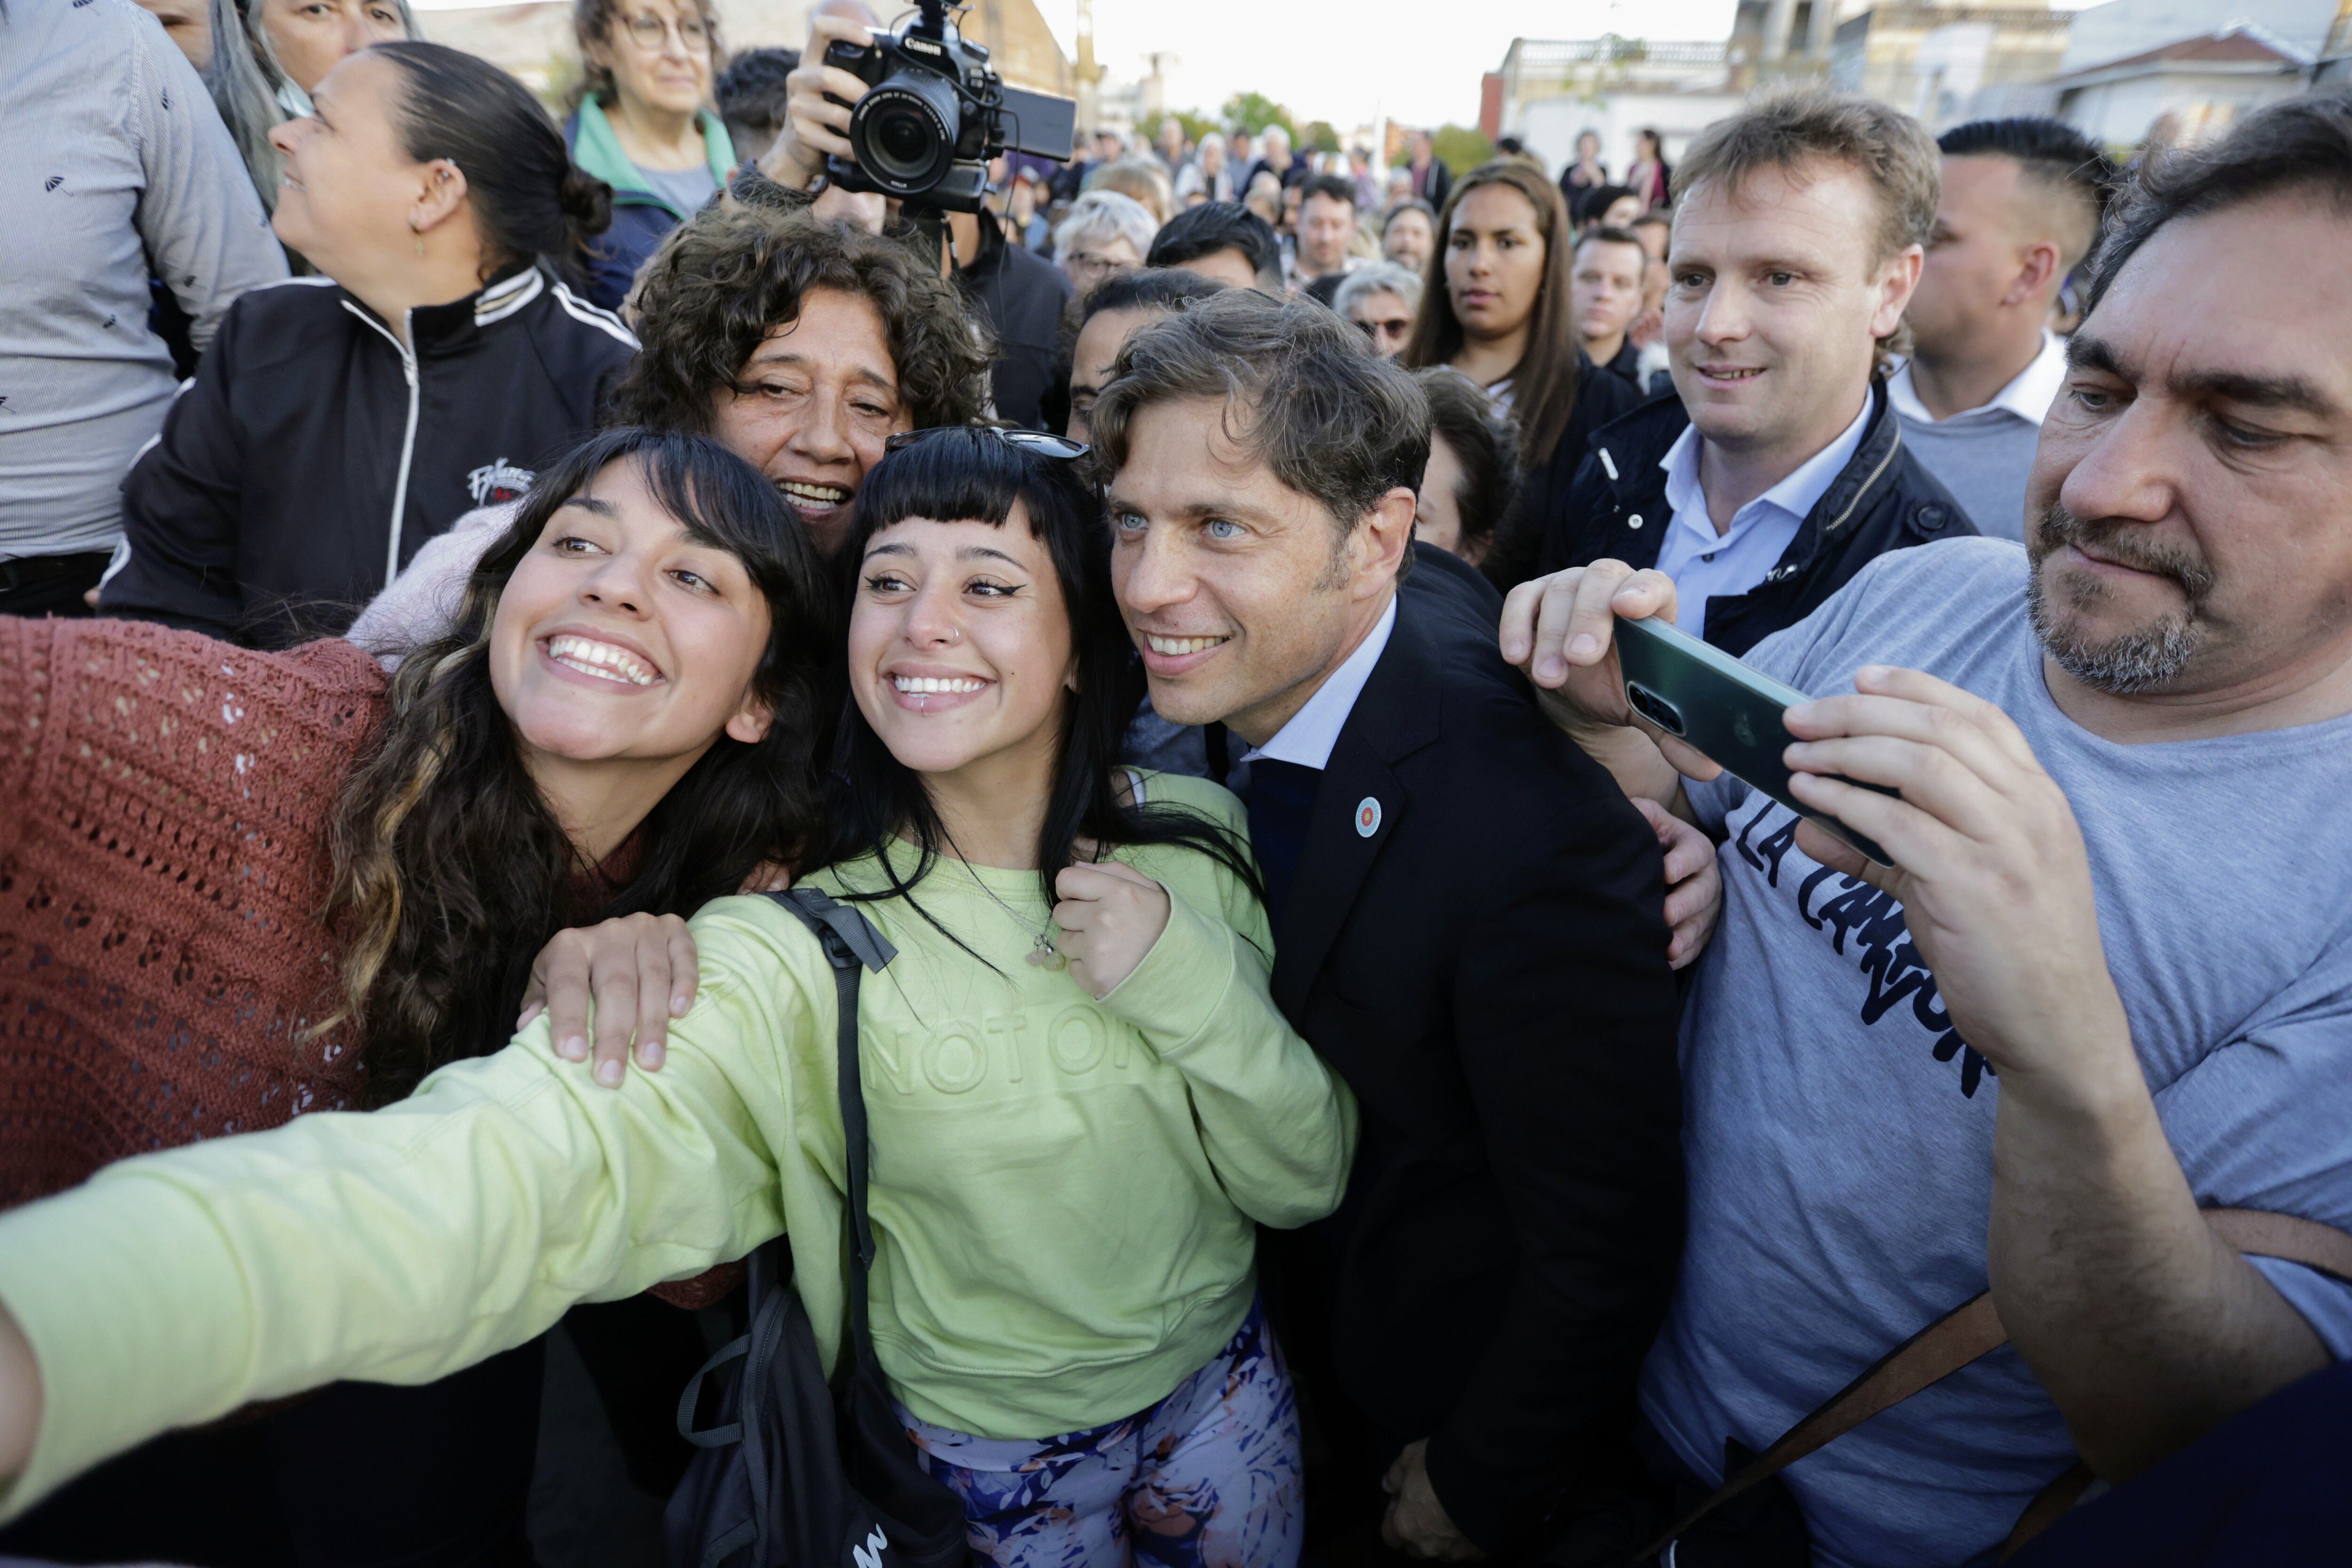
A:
x: 1727, y: 712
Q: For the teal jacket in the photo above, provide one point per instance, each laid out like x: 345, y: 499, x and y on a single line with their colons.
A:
x: 641, y: 216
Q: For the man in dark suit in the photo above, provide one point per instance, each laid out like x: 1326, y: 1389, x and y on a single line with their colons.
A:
x: 1467, y: 913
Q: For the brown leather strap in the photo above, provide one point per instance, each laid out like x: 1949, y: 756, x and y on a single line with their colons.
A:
x: 1973, y: 1329
x: 1935, y: 1353
x: 2304, y: 1241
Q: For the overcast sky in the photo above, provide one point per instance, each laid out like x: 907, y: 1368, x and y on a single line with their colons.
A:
x: 1417, y: 60
x: 1342, y: 60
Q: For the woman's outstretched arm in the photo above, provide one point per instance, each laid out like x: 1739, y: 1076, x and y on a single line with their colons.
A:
x: 404, y: 1244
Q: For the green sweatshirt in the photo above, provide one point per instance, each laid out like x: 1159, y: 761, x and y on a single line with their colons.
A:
x: 1064, y: 1190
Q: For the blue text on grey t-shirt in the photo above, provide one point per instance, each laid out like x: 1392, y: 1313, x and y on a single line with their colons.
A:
x: 1839, y: 1132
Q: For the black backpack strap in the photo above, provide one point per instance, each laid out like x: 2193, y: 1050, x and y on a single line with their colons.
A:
x: 852, y: 946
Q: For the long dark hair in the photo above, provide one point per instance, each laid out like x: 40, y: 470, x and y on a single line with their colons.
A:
x: 451, y: 872
x: 530, y: 201
x: 1543, y: 385
x: 973, y: 473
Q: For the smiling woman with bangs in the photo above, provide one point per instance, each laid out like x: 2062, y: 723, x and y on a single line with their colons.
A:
x: 1082, y: 1099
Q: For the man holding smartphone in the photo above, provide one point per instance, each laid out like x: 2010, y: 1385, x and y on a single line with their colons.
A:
x: 2108, y: 981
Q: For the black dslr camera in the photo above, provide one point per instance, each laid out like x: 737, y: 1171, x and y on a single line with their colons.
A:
x: 936, y: 112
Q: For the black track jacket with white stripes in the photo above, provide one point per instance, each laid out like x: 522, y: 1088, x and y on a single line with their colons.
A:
x: 314, y: 452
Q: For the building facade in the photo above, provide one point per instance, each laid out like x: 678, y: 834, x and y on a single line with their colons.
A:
x: 2184, y: 91
x: 1941, y: 63
x: 1551, y: 90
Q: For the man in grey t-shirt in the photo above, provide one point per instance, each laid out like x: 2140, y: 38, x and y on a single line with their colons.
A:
x: 1857, y: 1092
x: 2109, y: 980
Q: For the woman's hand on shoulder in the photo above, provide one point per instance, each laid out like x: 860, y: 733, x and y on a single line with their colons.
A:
x: 1110, y: 915
x: 623, y: 969
x: 632, y: 975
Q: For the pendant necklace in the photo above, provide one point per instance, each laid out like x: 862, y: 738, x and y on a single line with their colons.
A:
x: 1041, y: 954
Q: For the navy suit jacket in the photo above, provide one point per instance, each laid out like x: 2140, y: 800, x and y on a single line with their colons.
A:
x: 1482, y: 953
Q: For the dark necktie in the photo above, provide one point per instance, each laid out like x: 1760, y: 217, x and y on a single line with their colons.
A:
x: 1281, y: 798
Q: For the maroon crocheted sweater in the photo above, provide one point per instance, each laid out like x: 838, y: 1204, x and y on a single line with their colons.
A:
x: 164, y: 805
x: 162, y: 871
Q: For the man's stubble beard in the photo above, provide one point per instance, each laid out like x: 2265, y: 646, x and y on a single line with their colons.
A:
x: 2145, y: 659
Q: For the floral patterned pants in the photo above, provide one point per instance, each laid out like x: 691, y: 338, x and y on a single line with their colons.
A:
x: 1208, y: 1478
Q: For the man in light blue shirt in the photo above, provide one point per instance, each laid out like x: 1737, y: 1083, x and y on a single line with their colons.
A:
x: 1709, y: 560
x: 1779, y: 469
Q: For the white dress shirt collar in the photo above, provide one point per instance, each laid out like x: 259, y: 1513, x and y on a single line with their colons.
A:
x: 2028, y: 396
x: 1313, y: 730
x: 1793, y: 497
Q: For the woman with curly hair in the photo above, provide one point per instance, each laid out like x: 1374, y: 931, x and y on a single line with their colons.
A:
x: 799, y: 345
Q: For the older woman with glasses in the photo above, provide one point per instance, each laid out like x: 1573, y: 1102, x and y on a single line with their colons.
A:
x: 1106, y: 232
x: 642, y: 128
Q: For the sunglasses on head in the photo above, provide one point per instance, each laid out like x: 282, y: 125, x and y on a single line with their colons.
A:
x: 1036, y: 441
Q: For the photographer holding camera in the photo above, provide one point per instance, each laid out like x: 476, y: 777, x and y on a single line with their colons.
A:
x: 1018, y: 295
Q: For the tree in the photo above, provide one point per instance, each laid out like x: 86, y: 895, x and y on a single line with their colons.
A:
x: 1195, y: 125
x: 1317, y: 136
x: 1253, y: 111
x: 1461, y: 148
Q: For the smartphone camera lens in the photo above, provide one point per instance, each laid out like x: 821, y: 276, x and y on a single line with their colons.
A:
x: 1654, y: 708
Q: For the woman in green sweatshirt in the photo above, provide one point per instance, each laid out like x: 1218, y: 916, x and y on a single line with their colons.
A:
x: 1082, y: 1101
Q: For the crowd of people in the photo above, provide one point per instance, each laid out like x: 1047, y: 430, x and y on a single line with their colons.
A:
x: 1338, y: 1086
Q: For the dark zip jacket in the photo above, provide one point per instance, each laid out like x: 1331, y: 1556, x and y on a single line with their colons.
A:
x: 1021, y: 297
x: 314, y: 452
x: 1615, y: 509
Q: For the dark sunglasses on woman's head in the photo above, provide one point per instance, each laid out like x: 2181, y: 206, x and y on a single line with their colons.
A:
x: 1039, y: 441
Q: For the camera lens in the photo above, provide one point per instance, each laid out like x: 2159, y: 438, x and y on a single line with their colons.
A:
x: 902, y: 142
x: 1654, y: 708
x: 904, y: 132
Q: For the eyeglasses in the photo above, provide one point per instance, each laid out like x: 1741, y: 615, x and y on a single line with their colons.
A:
x: 652, y: 32
x: 1090, y: 266
x: 1378, y: 331
x: 1044, y: 442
